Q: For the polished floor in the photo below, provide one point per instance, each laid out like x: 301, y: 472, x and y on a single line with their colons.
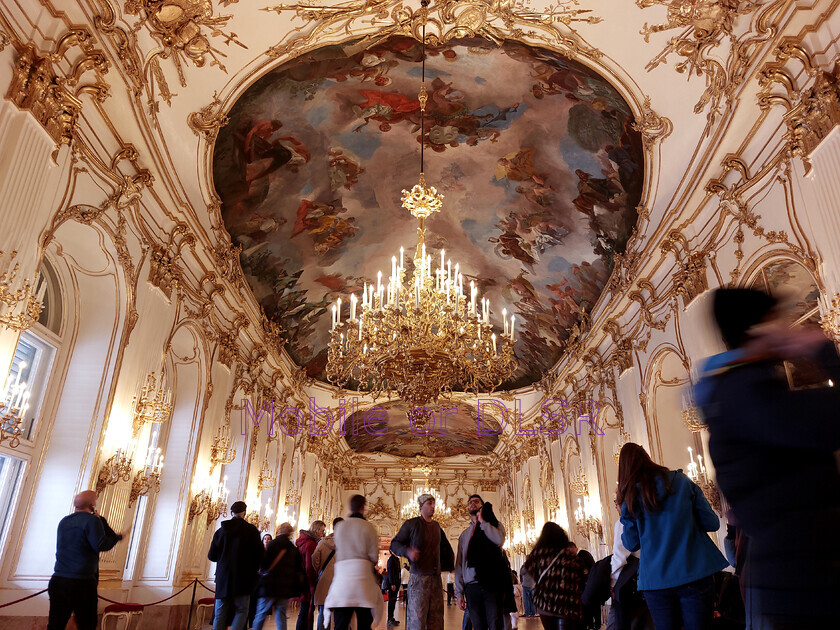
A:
x: 452, y: 619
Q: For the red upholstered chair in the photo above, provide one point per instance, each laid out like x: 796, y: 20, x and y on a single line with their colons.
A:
x: 129, y: 614
x: 204, y: 611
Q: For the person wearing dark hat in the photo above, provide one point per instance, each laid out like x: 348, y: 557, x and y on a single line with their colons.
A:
x: 774, y: 455
x: 481, y: 573
x: 424, y: 543
x: 237, y: 551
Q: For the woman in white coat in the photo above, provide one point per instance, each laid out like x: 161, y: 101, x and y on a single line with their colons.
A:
x: 354, y: 589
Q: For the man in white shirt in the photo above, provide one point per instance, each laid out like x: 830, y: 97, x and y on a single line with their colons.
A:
x: 481, y: 573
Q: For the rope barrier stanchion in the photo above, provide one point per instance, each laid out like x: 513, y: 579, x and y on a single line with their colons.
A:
x: 23, y: 599
x: 192, y: 603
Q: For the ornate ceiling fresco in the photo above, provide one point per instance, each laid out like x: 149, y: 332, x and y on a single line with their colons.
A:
x: 388, y: 429
x: 536, y: 156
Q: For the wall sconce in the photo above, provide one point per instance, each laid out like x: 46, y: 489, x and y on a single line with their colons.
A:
x: 148, y: 478
x: 24, y: 304
x: 578, y: 484
x: 587, y: 524
x: 314, y: 509
x: 517, y: 544
x: 691, y: 414
x: 14, y: 401
x: 152, y: 404
x: 623, y: 438
x: 697, y: 473
x: 263, y: 523
x: 212, y: 500
x: 220, y: 450
x: 266, y: 479
x: 292, y: 494
x: 116, y: 468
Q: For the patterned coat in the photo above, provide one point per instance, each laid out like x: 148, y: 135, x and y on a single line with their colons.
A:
x: 559, y: 591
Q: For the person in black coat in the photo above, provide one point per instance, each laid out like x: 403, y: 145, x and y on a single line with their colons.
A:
x: 237, y: 550
x: 773, y: 451
x: 281, y: 577
x: 392, y: 585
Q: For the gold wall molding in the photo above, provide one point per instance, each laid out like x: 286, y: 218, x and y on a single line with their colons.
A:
x: 706, y: 26
x: 494, y: 20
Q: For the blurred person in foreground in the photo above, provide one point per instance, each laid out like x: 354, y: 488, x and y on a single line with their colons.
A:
x: 774, y: 452
x: 354, y: 590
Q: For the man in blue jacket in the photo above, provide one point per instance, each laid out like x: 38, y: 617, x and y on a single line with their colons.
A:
x: 72, y: 589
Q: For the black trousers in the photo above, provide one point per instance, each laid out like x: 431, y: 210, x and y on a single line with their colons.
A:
x: 484, y: 607
x: 72, y: 596
x: 342, y: 617
x: 392, y: 602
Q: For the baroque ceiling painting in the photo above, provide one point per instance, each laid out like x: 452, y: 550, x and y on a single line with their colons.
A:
x: 535, y: 154
x: 389, y: 430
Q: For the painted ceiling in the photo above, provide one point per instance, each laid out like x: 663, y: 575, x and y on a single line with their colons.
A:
x: 535, y: 154
x: 397, y: 429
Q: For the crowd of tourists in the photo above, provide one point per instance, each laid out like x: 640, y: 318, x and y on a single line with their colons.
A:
x: 775, y: 454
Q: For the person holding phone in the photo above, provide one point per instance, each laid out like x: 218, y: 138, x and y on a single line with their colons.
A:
x: 72, y: 588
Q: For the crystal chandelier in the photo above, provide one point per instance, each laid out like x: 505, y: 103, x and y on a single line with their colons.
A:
x: 578, y: 484
x: 420, y: 334
x: 443, y: 515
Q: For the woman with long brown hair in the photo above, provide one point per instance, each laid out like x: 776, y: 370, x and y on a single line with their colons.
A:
x: 665, y: 515
x: 559, y: 579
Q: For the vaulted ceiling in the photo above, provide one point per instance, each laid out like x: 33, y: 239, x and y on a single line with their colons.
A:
x: 535, y: 153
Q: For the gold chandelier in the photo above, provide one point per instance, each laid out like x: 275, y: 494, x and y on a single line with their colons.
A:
x: 420, y: 335
x: 443, y: 514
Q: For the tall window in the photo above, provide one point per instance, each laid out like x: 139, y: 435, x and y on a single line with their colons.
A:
x: 31, y: 364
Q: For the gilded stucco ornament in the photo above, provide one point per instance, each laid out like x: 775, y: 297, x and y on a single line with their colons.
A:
x: 208, y: 120
x: 164, y: 271
x: 652, y: 126
x: 36, y: 87
x: 495, y: 20
x: 689, y: 280
x: 707, y: 29
x: 813, y: 111
x: 183, y: 29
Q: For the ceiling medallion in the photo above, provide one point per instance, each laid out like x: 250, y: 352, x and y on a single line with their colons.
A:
x: 419, y: 336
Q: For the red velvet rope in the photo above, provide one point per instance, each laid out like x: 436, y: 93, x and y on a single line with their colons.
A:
x: 23, y: 599
x: 205, y: 586
x: 111, y: 601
